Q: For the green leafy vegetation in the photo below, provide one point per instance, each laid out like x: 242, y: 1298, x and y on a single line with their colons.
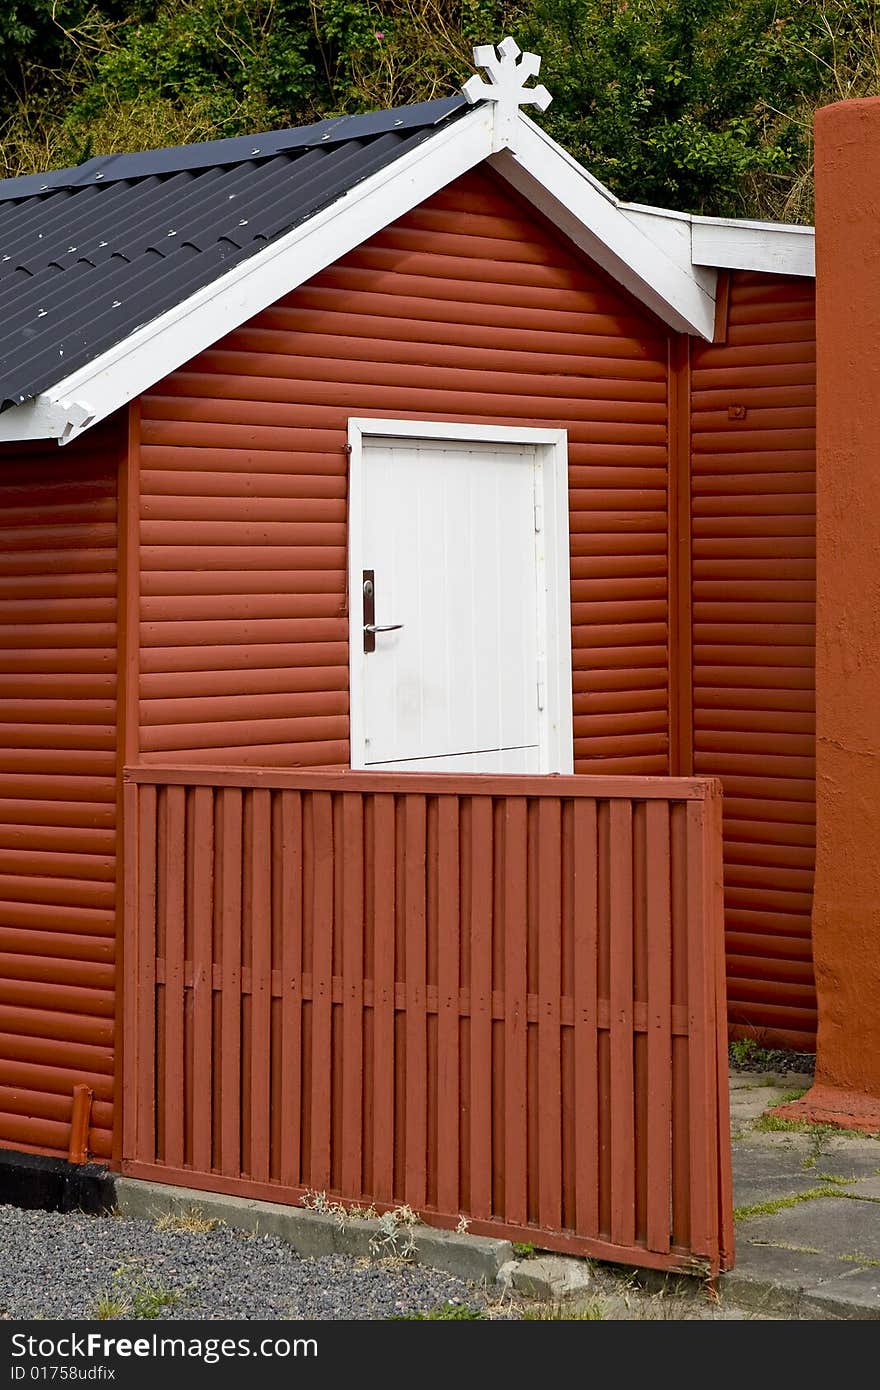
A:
x: 703, y: 105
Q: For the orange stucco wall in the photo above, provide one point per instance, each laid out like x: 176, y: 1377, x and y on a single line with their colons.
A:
x: 846, y: 913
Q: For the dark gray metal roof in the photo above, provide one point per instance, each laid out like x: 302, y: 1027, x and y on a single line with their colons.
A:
x: 88, y: 255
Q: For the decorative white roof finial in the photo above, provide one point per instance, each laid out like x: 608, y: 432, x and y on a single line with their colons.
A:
x: 507, y: 83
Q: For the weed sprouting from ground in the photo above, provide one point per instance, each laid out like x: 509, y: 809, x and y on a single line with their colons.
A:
x: 136, y: 1295
x: 788, y: 1097
x: 342, y: 1214
x: 445, y: 1312
x: 396, y: 1233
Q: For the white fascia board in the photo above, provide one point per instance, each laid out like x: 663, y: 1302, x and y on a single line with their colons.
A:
x: 159, y: 347
x: 661, y: 276
x: 778, y: 248
x: 732, y: 243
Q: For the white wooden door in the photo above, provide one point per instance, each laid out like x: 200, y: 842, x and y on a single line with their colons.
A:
x: 450, y: 546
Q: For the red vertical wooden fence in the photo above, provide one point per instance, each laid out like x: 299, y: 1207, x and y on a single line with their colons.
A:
x: 498, y: 997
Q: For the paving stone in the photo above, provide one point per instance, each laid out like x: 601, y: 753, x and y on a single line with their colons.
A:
x: 838, y: 1226
x: 761, y: 1174
x: 789, y: 1269
x: 858, y: 1290
x: 551, y: 1277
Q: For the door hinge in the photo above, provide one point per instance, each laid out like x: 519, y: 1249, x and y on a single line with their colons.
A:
x: 542, y: 682
x: 539, y: 515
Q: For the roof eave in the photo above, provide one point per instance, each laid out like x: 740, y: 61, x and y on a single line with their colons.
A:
x: 668, y: 261
x: 124, y: 371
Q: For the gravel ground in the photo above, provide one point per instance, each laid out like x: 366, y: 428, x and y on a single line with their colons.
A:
x: 776, y: 1059
x: 76, y: 1266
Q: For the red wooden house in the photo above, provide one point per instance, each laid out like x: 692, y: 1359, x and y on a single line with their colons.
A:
x: 394, y: 443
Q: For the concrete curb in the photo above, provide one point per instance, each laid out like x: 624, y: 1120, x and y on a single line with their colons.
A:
x: 770, y: 1296
x: 474, y: 1258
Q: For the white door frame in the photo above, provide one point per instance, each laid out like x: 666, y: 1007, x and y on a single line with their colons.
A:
x: 554, y: 617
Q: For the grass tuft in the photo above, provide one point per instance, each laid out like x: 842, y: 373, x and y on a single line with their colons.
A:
x: 444, y: 1312
x: 564, y: 1312
x: 194, y: 1222
x: 137, y: 1296
x: 775, y: 1204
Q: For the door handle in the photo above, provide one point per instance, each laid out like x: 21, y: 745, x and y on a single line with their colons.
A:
x: 371, y: 627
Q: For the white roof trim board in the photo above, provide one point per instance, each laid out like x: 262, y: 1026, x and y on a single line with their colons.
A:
x: 667, y: 260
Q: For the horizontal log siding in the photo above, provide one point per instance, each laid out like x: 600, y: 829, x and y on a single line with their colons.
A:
x: 57, y: 787
x: 469, y: 308
x: 754, y: 512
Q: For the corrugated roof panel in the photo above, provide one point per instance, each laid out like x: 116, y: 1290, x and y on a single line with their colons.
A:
x: 81, y: 268
x: 114, y: 167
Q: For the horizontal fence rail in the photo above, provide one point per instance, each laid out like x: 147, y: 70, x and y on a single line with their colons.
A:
x: 496, y: 997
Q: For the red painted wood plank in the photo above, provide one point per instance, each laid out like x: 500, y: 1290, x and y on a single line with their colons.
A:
x: 146, y: 975
x: 202, y: 851
x: 415, y: 868
x: 644, y: 788
x: 230, y: 1001
x: 681, y: 1216
x: 260, y: 850
x: 702, y: 1044
x: 133, y: 986
x: 321, y: 910
x: 291, y: 927
x: 352, y: 994
x: 384, y: 878
x: 481, y: 905
x: 448, y: 977
x: 549, y: 1119
x: 713, y: 858
x: 622, y: 1079
x: 659, y: 923
x: 515, y: 1011
x: 586, y: 1075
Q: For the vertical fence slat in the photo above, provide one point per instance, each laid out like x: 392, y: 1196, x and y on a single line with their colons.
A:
x: 714, y: 869
x: 622, y: 1077
x: 148, y: 1079
x: 352, y: 995
x: 549, y: 1118
x: 291, y: 928
x: 230, y: 999
x: 322, y: 909
x: 132, y: 983
x: 515, y: 1011
x: 701, y: 1049
x: 586, y: 1033
x: 481, y: 1007
x: 261, y: 980
x: 173, y: 871
x: 448, y: 971
x: 384, y: 878
x: 416, y: 1015
x: 203, y: 974
x: 681, y: 1159
x: 659, y: 1175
